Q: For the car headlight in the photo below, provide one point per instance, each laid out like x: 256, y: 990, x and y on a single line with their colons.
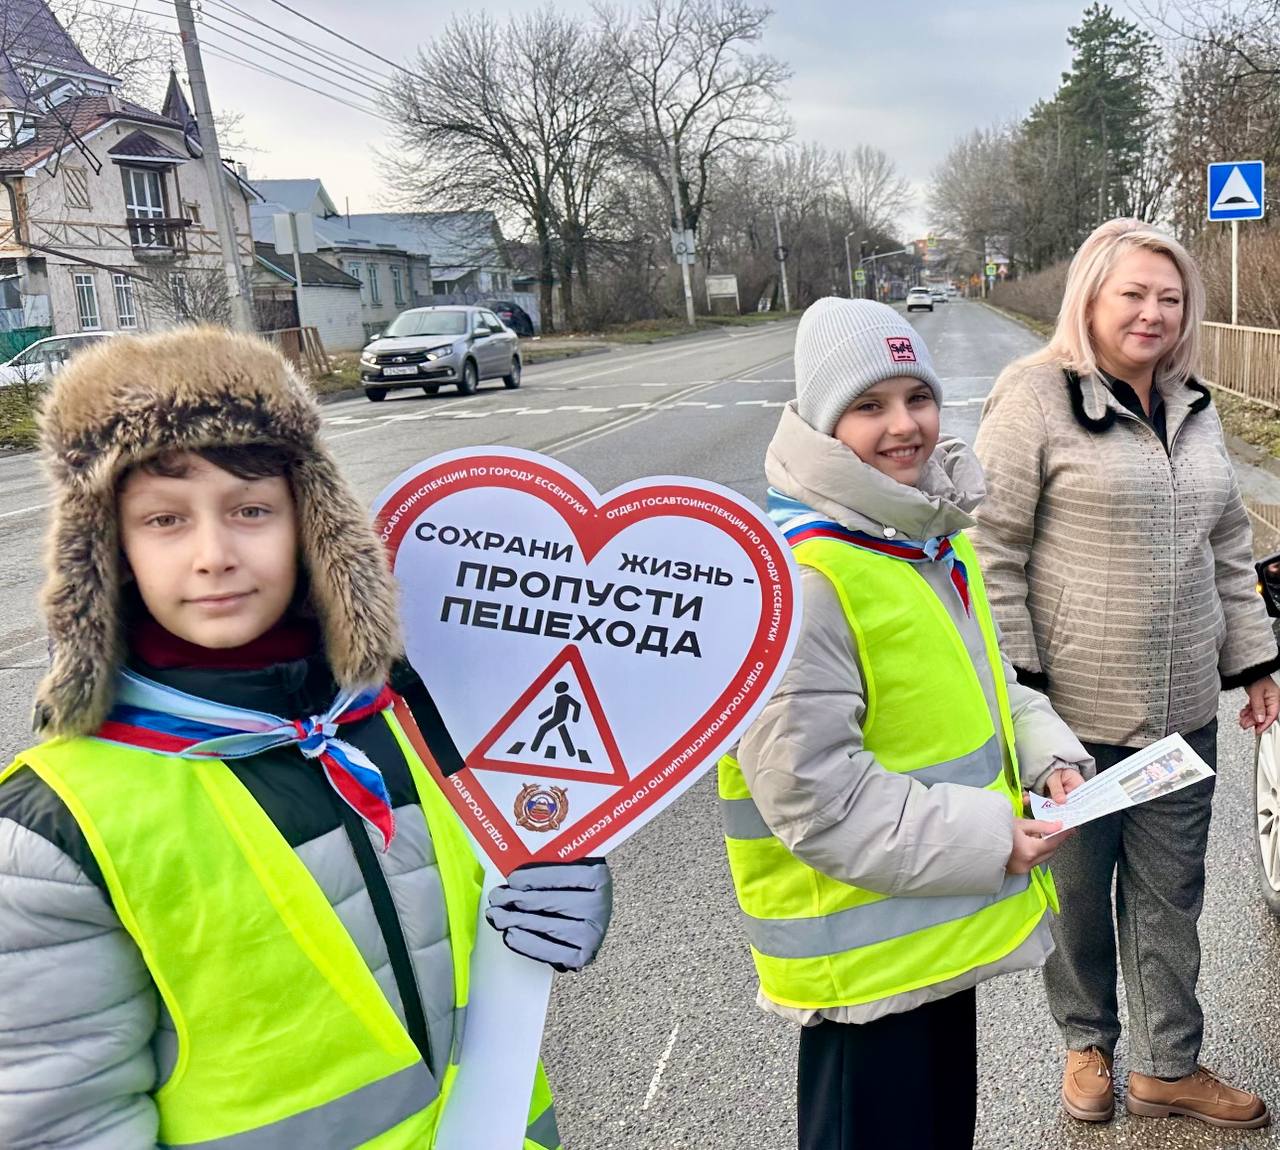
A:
x: 434, y: 353
x: 368, y: 359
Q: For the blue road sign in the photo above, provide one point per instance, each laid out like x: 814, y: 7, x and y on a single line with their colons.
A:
x: 1236, y: 190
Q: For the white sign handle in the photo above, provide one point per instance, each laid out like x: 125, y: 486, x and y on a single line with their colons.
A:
x: 506, y: 1012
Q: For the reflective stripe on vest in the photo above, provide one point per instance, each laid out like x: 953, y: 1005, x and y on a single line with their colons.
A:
x: 307, y: 1051
x: 818, y: 942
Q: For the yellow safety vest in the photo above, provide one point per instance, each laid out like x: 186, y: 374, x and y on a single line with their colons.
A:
x: 284, y: 1037
x: 818, y: 942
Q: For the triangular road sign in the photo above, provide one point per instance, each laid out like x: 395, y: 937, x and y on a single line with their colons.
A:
x: 556, y: 729
x: 1236, y: 194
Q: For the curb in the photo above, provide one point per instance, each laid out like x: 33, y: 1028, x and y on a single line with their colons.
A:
x: 559, y: 357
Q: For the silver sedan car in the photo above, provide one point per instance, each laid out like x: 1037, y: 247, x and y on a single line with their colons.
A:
x: 432, y: 347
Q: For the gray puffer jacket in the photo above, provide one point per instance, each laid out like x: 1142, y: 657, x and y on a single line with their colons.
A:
x: 821, y: 792
x: 84, y: 1038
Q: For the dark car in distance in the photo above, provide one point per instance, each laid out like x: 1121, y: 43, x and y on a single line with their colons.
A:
x: 512, y: 314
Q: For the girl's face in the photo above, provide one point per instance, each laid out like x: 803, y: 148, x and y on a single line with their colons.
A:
x: 892, y: 427
x: 1137, y: 315
x: 214, y: 556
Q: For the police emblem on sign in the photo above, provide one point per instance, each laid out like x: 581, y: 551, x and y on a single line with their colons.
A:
x: 900, y: 349
x: 541, y: 808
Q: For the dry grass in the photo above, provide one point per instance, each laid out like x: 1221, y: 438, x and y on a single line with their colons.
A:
x: 1255, y: 423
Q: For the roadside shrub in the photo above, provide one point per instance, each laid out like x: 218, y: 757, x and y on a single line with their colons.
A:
x: 1038, y: 295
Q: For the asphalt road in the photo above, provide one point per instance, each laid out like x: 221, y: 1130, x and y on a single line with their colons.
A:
x: 659, y: 1045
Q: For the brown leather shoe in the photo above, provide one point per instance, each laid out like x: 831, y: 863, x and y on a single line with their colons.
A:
x: 1087, y: 1090
x: 1201, y: 1095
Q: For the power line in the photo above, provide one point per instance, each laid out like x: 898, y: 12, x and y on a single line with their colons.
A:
x: 276, y: 47
x: 342, y: 61
x: 217, y: 32
x: 345, y: 39
x: 297, y: 84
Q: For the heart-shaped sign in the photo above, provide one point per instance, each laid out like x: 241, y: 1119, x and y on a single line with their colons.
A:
x: 591, y: 655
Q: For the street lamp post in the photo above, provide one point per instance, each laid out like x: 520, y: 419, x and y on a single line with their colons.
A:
x: 848, y: 259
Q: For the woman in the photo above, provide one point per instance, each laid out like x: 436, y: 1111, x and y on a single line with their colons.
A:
x: 1116, y: 549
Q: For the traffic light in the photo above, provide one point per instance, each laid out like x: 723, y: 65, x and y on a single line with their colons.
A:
x: 862, y: 248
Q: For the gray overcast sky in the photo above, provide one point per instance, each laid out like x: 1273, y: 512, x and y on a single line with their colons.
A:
x: 907, y: 77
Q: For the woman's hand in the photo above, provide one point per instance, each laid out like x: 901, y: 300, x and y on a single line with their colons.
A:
x: 1263, y: 705
x: 1030, y: 846
x: 1062, y: 781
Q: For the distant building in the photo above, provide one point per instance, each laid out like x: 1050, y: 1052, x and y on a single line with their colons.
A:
x: 330, y: 298
x: 402, y: 259
x: 105, y: 220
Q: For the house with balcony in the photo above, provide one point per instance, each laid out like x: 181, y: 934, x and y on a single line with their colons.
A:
x: 106, y: 217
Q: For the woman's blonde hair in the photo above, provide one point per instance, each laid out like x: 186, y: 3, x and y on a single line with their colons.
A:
x: 1072, y: 344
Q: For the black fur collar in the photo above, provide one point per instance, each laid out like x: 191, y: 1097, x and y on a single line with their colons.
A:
x: 1076, y: 391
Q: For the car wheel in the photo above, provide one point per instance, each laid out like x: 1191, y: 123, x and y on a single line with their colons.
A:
x: 431, y: 388
x: 512, y: 378
x: 470, y: 378
x: 377, y: 394
x: 1266, y: 782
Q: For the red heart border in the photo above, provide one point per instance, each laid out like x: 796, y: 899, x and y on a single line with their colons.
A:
x: 595, y: 524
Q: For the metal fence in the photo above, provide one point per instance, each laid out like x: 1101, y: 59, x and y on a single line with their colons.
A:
x: 1242, y: 360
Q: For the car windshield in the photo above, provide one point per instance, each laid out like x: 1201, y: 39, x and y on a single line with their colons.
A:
x: 36, y: 353
x: 428, y: 323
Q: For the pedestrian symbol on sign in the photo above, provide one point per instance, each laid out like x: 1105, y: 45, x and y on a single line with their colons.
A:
x: 565, y: 710
x: 555, y: 729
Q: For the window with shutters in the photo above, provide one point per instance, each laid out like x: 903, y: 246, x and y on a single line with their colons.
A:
x: 75, y: 183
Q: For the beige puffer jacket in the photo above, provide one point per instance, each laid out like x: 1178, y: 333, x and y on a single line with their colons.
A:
x: 1121, y: 573
x: 813, y: 782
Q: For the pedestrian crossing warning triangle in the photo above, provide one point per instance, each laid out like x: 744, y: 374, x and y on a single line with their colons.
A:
x: 1236, y: 194
x: 556, y: 729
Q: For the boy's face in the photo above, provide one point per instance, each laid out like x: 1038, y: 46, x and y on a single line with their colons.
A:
x: 215, y: 557
x: 892, y: 427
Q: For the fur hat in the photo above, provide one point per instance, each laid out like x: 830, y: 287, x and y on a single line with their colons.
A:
x: 844, y: 347
x: 131, y: 398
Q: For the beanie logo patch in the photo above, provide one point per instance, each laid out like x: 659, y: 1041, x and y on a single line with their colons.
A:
x: 900, y: 349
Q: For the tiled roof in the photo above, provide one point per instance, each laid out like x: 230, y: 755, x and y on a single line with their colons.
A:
x: 83, y: 115
x: 140, y: 146
x: 315, y: 272
x: 32, y: 36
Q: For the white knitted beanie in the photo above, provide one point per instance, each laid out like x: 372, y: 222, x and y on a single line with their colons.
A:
x: 844, y: 347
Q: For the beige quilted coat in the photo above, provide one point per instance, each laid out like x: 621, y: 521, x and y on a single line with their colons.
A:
x: 1121, y: 573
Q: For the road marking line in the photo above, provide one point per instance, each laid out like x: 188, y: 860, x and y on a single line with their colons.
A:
x: 23, y: 646
x: 662, y: 1066
x: 24, y: 510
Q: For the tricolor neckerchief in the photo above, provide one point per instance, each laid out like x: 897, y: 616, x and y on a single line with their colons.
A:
x: 799, y: 522
x: 162, y: 719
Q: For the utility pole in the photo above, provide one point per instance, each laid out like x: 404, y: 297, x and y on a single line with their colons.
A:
x: 682, y: 257
x: 781, y: 253
x: 241, y: 316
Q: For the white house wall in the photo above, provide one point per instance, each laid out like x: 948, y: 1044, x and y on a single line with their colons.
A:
x: 99, y: 232
x: 335, y: 313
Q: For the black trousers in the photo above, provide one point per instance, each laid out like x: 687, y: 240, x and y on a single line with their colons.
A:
x: 903, y: 1082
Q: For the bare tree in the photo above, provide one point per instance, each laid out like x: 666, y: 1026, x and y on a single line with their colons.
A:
x: 124, y: 42
x: 519, y: 119
x: 970, y: 198
x: 700, y: 91
x: 193, y: 295
x: 874, y: 193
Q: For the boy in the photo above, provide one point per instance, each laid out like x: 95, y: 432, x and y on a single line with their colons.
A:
x: 871, y: 813
x: 236, y: 910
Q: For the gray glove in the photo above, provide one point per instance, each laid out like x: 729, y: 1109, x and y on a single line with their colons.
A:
x: 556, y: 913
